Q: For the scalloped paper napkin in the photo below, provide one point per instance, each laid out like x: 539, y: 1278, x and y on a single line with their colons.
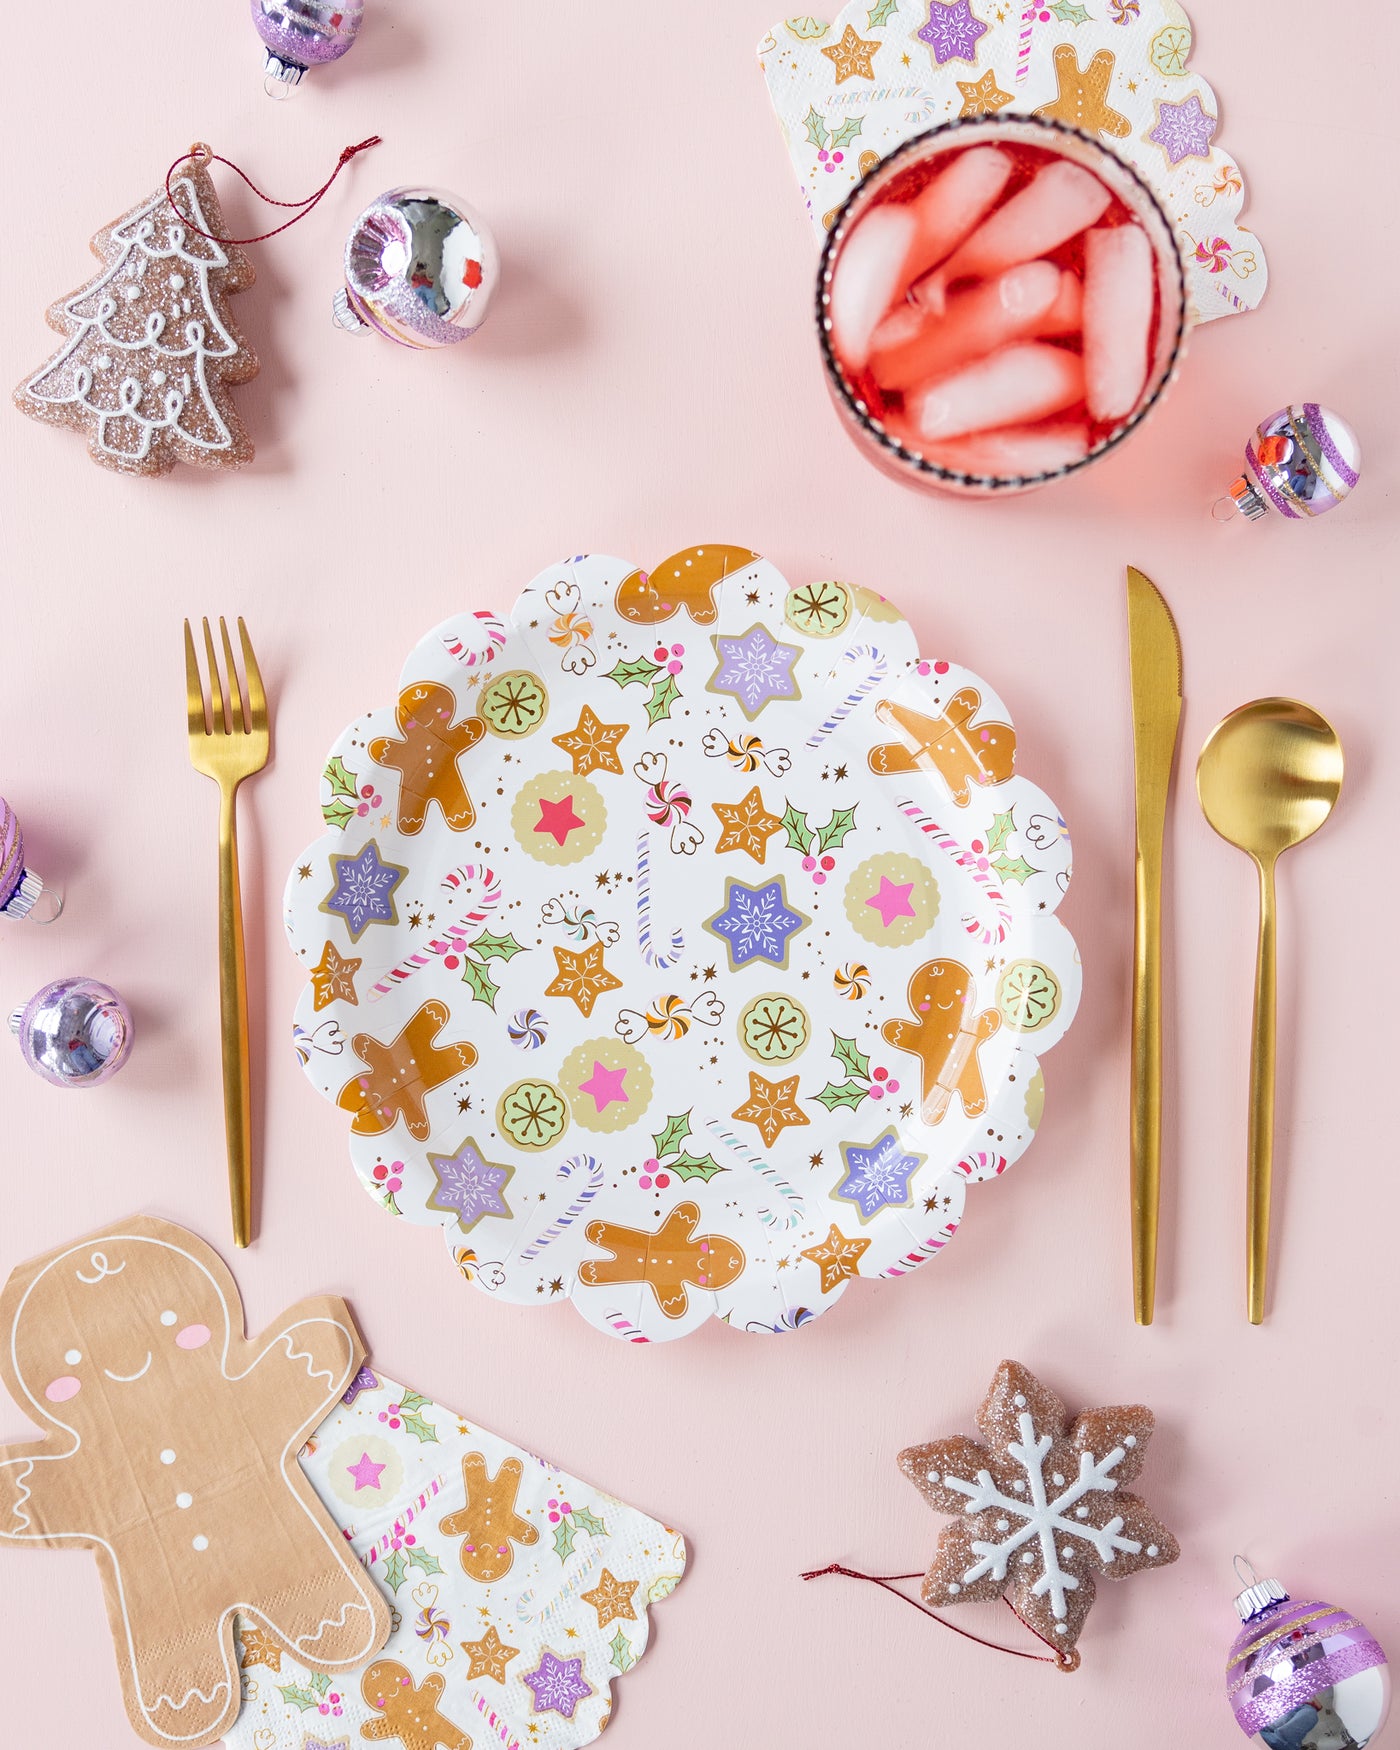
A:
x: 848, y: 92
x: 527, y: 1656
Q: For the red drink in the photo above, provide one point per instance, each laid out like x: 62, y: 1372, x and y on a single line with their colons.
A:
x: 1001, y: 302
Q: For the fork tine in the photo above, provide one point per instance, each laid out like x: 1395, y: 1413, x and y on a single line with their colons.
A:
x: 218, y: 717
x: 237, y: 705
x: 257, y: 698
x: 194, y: 688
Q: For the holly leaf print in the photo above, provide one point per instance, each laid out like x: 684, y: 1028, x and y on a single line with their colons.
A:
x: 414, y: 1400
x: 1013, y: 869
x: 415, y: 1425
x: 623, y: 1658
x: 846, y: 1054
x: 816, y: 128
x: 799, y: 834
x: 687, y: 1166
x: 564, y: 1535
x: 843, y: 1094
x: 491, y: 947
x: 847, y: 131
x: 479, y: 982
x: 395, y: 1569
x: 1068, y: 13
x: 589, y: 1522
x: 675, y: 1133
x: 424, y: 1560
x: 662, y: 1587
x: 835, y: 830
x: 880, y: 12
x: 295, y: 1695
x: 340, y: 778
x: 320, y: 1682
x: 638, y: 672
x: 663, y: 695
x: 1003, y: 825
x: 338, y: 812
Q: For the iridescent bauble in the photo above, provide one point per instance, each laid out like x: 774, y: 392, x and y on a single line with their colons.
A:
x: 420, y: 266
x: 74, y: 1033
x: 23, y: 894
x: 1302, y: 461
x: 299, y: 34
x: 1304, y: 1675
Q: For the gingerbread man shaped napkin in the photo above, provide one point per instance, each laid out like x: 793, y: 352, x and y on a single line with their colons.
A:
x: 170, y: 1450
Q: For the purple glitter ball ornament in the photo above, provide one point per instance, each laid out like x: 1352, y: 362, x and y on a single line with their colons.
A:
x: 420, y: 267
x: 300, y: 34
x: 1301, y: 461
x: 22, y: 892
x: 74, y: 1033
x: 1304, y: 1675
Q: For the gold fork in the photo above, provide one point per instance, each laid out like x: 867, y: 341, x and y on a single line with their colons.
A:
x: 228, y: 743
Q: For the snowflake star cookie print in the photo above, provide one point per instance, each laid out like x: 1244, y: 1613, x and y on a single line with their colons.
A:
x: 152, y: 352
x: 682, y: 945
x: 1042, y: 1507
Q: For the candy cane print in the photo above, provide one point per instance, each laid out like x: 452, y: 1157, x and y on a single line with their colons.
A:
x: 623, y: 1327
x: 653, y: 957
x: 1023, y: 57
x: 497, y: 1725
x: 921, y: 1253
x: 796, y: 1211
x: 574, y: 1164
x: 402, y: 1523
x: 482, y: 650
x: 975, y: 866
x: 454, y: 940
x: 875, y: 673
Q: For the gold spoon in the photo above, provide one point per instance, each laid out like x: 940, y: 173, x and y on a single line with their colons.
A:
x: 1268, y: 776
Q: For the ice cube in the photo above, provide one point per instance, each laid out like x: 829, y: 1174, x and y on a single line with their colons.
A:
x: 865, y: 279
x: 1060, y: 202
x: 1015, y: 386
x: 952, y: 204
x: 1118, y: 299
x: 902, y: 324
x: 1015, y: 449
x: 1066, y: 314
x: 975, y: 323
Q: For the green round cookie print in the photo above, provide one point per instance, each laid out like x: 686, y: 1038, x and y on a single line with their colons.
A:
x: 891, y: 900
x: 1028, y: 996
x: 774, y: 1029
x: 558, y: 818
x: 532, y: 1115
x: 1035, y: 1100
x: 608, y: 1082
x: 513, y: 705
x: 821, y: 610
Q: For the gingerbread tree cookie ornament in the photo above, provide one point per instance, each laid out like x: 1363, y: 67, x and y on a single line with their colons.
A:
x: 1042, y: 1508
x: 152, y: 353
x: 170, y: 1451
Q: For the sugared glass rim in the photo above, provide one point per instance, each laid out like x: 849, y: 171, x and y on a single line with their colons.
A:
x: 861, y: 195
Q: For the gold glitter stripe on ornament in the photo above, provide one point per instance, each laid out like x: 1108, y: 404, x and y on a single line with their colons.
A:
x: 1289, y: 1628
x: 1246, y: 1678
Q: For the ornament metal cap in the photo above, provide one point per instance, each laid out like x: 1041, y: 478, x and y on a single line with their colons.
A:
x: 345, y: 316
x: 1258, y: 1595
x: 285, y: 73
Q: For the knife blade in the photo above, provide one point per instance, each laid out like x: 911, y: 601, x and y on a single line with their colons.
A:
x: 1154, y: 663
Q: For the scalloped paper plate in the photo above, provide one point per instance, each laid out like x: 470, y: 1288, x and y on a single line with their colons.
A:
x: 848, y: 92
x: 684, y: 945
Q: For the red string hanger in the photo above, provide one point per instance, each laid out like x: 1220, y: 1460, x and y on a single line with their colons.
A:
x: 203, y: 154
x: 1065, y: 1661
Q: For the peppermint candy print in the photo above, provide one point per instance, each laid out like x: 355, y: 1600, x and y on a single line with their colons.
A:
x: 694, y: 942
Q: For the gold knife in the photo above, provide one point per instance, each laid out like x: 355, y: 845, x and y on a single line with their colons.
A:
x: 1154, y: 660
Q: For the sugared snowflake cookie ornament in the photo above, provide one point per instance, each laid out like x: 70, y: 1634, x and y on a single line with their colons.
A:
x: 1042, y: 1507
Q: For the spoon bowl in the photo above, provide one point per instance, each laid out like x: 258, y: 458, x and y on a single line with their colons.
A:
x: 1268, y: 777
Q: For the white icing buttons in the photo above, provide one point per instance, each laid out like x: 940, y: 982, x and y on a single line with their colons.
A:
x: 168, y: 1456
x: 201, y: 1542
x: 167, y: 1317
x: 184, y: 1500
x: 73, y: 1357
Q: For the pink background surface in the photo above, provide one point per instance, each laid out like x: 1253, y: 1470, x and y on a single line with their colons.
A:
x: 648, y: 379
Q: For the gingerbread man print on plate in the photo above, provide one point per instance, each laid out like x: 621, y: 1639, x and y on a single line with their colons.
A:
x: 678, y: 935
x: 169, y: 1450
